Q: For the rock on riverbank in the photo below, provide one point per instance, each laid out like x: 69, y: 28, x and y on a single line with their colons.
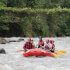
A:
x: 4, y: 41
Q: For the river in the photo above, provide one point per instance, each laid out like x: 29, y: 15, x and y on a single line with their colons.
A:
x: 15, y: 61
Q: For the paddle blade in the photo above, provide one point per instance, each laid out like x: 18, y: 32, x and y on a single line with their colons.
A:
x: 63, y: 51
x: 55, y: 55
x: 58, y: 52
x: 19, y: 50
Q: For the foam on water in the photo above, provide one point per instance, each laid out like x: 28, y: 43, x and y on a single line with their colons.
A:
x: 5, y: 67
x: 15, y: 61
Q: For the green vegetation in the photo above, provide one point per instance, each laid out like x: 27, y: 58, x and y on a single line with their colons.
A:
x: 38, y: 3
x: 34, y: 18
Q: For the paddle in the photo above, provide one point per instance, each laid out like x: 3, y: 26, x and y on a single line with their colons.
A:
x: 55, y: 55
x: 63, y: 51
x: 19, y: 50
x: 58, y: 52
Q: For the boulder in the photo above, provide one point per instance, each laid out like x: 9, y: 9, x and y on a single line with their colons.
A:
x: 3, y: 41
x: 2, y: 51
x: 21, y: 40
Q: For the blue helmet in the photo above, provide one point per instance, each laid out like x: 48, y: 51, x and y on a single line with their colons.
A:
x: 40, y: 37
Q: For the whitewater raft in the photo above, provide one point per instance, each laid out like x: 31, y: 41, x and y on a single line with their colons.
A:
x: 37, y: 52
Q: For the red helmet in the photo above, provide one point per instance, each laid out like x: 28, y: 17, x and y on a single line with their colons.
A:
x: 51, y: 41
x: 29, y: 39
x: 47, y: 40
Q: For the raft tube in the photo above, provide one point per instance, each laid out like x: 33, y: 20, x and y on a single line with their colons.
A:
x: 37, y: 52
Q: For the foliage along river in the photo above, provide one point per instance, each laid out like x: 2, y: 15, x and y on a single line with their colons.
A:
x: 15, y: 61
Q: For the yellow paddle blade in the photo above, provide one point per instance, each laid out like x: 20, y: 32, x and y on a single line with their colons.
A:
x: 19, y: 50
x: 55, y: 55
x: 63, y: 51
x: 58, y: 52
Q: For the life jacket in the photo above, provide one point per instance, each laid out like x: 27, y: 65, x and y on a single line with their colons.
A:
x: 28, y: 45
x: 53, y: 46
x: 46, y: 46
x: 41, y: 43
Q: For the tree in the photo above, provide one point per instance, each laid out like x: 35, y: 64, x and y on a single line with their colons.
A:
x: 16, y: 3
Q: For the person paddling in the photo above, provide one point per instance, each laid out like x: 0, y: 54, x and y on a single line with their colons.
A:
x: 33, y: 45
x: 47, y: 44
x: 40, y: 43
x: 52, y: 48
x: 28, y: 45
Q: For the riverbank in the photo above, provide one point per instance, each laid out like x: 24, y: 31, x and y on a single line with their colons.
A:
x: 8, y: 40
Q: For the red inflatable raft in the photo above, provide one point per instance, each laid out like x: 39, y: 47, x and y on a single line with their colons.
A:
x: 37, y: 52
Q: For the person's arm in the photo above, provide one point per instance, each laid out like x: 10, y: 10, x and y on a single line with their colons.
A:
x: 50, y: 48
x: 45, y: 47
x: 53, y: 48
x: 33, y: 45
x: 24, y: 47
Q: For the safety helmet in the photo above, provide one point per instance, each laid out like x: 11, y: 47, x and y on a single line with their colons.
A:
x: 47, y: 40
x: 51, y: 41
x: 29, y: 39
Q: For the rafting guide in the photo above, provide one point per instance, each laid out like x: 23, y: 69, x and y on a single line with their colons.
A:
x: 40, y: 43
x: 28, y: 45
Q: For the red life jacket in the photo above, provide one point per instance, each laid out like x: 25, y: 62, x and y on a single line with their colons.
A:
x: 28, y: 46
x: 53, y: 46
x: 47, y: 47
x: 41, y: 43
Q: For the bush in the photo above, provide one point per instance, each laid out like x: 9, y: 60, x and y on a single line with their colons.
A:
x: 34, y: 22
x: 2, y: 4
